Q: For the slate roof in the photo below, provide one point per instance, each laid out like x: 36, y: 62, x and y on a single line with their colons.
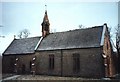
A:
x: 22, y: 46
x: 80, y: 38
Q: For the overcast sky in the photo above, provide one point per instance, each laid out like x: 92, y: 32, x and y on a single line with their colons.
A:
x: 63, y: 16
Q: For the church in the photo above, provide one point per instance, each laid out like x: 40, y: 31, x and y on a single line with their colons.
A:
x: 81, y: 53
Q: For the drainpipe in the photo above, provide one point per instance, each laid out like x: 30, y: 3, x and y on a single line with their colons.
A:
x: 61, y: 63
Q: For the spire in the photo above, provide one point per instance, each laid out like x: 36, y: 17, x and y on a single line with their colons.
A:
x: 45, y: 24
x: 45, y: 19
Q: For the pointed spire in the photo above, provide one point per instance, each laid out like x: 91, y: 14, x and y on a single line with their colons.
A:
x: 45, y: 24
x: 45, y: 19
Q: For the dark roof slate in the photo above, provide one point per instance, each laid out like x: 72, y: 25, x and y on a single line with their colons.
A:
x: 22, y: 46
x: 80, y: 38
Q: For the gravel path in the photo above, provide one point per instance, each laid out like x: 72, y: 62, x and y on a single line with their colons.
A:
x: 12, y: 77
x: 43, y: 77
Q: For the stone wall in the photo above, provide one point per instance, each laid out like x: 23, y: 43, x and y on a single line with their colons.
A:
x: 42, y: 62
x: 91, y: 62
x: 109, y: 61
x: 9, y: 61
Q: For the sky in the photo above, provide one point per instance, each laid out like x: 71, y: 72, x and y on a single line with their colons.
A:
x: 63, y: 16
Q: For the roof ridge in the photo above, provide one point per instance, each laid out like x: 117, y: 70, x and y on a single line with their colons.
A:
x: 78, y: 29
x: 27, y: 38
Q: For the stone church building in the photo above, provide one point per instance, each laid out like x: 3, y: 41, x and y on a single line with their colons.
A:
x: 82, y: 52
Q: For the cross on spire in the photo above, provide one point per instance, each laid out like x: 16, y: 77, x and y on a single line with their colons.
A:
x: 45, y: 7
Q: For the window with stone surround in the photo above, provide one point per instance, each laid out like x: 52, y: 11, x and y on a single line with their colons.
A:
x: 76, y: 62
x: 51, y: 61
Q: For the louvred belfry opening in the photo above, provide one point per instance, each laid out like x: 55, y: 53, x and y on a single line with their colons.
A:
x: 45, y: 25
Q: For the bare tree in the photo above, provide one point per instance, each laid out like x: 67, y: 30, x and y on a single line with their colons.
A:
x: 116, y: 35
x: 118, y: 39
x: 118, y: 45
x: 81, y: 26
x: 24, y: 33
x: 1, y: 36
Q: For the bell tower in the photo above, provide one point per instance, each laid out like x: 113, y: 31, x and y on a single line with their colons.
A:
x: 45, y: 25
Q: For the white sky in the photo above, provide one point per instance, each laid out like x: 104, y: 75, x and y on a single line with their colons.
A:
x: 59, y: 1
x: 63, y: 15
